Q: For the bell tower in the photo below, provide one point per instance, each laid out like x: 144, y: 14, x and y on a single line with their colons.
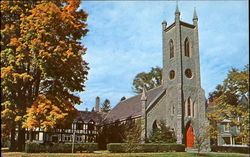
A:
x: 185, y: 99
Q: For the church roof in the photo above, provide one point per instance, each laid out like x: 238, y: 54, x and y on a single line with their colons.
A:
x: 87, y: 116
x: 131, y: 107
x: 182, y: 23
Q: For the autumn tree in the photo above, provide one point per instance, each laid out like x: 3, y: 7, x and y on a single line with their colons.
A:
x: 148, y: 80
x: 226, y: 104
x: 42, y: 64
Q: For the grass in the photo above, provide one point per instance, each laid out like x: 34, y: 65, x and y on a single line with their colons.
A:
x: 168, y: 154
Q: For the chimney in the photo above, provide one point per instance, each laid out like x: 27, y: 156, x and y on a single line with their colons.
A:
x: 97, y: 104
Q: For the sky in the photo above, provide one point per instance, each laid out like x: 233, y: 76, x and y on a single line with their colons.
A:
x: 125, y: 38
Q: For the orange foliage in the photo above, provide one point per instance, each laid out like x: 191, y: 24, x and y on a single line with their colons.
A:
x: 41, y: 46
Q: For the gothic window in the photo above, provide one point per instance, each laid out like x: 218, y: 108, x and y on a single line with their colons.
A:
x: 154, y: 125
x: 171, y: 48
x: 171, y: 74
x: 173, y: 109
x: 187, y: 48
x: 189, y: 107
x: 193, y: 109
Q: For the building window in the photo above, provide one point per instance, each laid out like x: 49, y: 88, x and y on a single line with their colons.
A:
x: 155, y: 125
x: 67, y: 138
x: 171, y: 48
x: 187, y: 47
x: 189, y: 107
x: 188, y: 73
x: 171, y: 75
x: 193, y: 111
x: 91, y: 125
x: 226, y: 127
x: 79, y: 126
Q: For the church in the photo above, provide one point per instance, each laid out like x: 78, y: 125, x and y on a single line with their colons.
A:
x: 180, y: 100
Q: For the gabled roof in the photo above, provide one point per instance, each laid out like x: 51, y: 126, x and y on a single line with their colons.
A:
x: 131, y: 107
x: 87, y: 116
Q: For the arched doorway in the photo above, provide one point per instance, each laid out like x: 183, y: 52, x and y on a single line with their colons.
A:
x: 190, y: 137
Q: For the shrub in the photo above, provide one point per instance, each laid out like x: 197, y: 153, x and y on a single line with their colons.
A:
x: 59, y: 147
x: 147, y: 147
x: 162, y: 133
x: 88, y: 147
x: 230, y: 149
x: 5, y: 143
x: 116, y: 147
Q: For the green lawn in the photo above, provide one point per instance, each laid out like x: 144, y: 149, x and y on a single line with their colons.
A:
x: 168, y: 154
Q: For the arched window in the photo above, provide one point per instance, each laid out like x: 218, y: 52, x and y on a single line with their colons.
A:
x: 171, y: 48
x: 189, y: 107
x: 193, y: 109
x: 155, y: 125
x: 171, y: 75
x: 187, y: 48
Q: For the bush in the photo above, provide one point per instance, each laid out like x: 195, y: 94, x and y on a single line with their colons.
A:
x: 147, y: 147
x: 59, y: 147
x: 5, y: 143
x: 88, y: 147
x: 230, y: 149
x: 116, y: 147
x: 162, y: 134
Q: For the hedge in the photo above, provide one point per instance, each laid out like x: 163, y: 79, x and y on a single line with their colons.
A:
x: 147, y: 147
x: 230, y: 149
x: 59, y: 147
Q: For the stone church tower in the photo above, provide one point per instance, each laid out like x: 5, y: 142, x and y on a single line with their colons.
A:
x: 182, y: 104
x: 181, y: 78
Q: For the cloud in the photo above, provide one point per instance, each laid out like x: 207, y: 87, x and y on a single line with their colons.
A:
x: 125, y: 39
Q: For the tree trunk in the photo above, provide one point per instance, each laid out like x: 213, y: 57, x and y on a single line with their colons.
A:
x: 21, y: 139
x: 12, y: 140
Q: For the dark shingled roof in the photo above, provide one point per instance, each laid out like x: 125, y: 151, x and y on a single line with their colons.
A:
x: 87, y: 116
x: 131, y: 107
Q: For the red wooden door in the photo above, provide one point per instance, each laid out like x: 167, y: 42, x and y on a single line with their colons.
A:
x: 190, y: 137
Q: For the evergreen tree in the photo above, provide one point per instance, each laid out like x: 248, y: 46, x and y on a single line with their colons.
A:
x: 106, y: 106
x: 162, y: 134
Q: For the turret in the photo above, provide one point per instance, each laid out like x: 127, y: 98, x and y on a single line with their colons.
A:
x: 177, y: 13
x: 195, y: 18
x: 164, y: 25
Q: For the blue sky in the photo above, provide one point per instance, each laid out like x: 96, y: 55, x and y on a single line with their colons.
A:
x: 125, y: 39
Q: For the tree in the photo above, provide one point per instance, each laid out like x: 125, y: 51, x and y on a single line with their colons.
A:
x: 162, y: 133
x: 106, y: 106
x: 148, y: 80
x: 41, y: 64
x: 227, y: 104
x: 132, y: 135
x: 200, y: 139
